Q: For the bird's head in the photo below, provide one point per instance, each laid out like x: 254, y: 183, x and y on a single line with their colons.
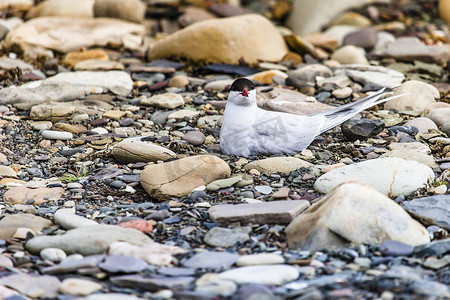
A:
x: 242, y: 92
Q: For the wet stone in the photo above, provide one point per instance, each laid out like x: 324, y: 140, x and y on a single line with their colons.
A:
x: 152, y: 284
x: 122, y: 264
x: 224, y: 237
x: 393, y: 248
x: 211, y: 260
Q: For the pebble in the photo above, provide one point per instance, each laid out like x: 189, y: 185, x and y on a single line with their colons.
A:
x: 391, y: 185
x: 195, y: 138
x: 77, y: 241
x: 262, y: 213
x: 211, y: 260
x: 259, y: 259
x: 53, y: 254
x: 225, y: 238
x: 57, y: 135
x: 123, y: 264
x: 267, y: 274
x: 67, y: 219
x: 78, y: 287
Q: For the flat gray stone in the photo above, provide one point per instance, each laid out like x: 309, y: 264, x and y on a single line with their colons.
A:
x: 68, y: 220
x: 390, y: 175
x: 57, y: 135
x: 44, y: 286
x: 436, y: 248
x: 88, y: 240
x: 135, y: 150
x: 227, y: 237
x: 10, y: 223
x: 211, y: 260
x: 366, y: 74
x: 71, y: 265
x: 434, y: 210
x: 152, y: 284
x: 123, y: 264
x: 273, y: 212
x: 268, y: 274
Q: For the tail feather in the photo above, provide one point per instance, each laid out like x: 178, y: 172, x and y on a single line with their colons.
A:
x: 341, y: 114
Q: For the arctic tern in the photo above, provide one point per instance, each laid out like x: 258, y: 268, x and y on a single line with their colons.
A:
x: 248, y: 130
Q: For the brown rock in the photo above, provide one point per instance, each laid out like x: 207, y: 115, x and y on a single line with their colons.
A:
x: 322, y: 41
x: 353, y: 213
x: 193, y: 15
x: 273, y: 212
x: 444, y: 10
x: 74, y: 57
x: 210, y: 41
x: 73, y: 128
x: 178, y: 81
x: 10, y: 223
x: 418, y: 95
x: 277, y: 164
x: 130, y: 10
x: 25, y: 195
x: 134, y: 150
x: 53, y: 32
x: 63, y: 8
x: 114, y: 114
x: 351, y: 18
x: 178, y: 178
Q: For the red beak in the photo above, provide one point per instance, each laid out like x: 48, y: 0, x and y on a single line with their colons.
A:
x: 245, y: 93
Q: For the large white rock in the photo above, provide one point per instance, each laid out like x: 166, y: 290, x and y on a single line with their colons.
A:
x: 249, y: 37
x: 179, y: 177
x: 64, y: 34
x: 354, y: 213
x: 267, y: 274
x: 418, y: 96
x: 134, y: 150
x: 391, y: 176
x: 63, y: 8
x: 68, y: 86
x: 311, y: 15
x: 118, y: 82
x: 277, y: 164
x: 366, y: 74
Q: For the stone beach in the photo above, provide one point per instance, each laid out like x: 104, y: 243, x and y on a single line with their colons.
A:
x: 113, y: 184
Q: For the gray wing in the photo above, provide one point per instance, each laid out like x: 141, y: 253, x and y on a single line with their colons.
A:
x: 342, y: 113
x: 277, y: 132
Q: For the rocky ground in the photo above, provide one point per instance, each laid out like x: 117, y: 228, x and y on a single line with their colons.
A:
x: 113, y: 186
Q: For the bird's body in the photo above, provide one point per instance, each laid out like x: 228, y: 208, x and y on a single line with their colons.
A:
x: 248, y: 130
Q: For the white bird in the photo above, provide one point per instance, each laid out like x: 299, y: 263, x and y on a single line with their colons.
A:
x: 248, y: 130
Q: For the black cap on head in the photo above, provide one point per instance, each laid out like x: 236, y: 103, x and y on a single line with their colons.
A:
x: 242, y: 84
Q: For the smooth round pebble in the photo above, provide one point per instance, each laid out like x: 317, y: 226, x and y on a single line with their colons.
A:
x: 53, y: 254
x: 57, y: 135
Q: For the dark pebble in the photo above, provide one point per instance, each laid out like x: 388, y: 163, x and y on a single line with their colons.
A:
x: 411, y: 130
x: 158, y: 215
x: 125, y: 122
x: 157, y: 86
x: 118, y: 184
x: 371, y: 87
x: 195, y: 138
x: 99, y: 122
x: 364, y: 38
x: 197, y: 195
x: 361, y: 129
x: 172, y: 220
x: 70, y: 152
